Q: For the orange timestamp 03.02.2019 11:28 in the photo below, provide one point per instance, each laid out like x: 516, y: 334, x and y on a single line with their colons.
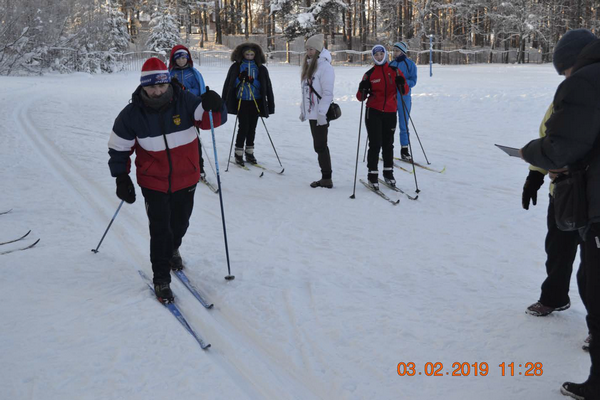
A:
x: 470, y: 369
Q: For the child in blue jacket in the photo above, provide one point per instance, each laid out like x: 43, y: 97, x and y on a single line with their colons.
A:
x: 409, y: 69
x: 182, y: 68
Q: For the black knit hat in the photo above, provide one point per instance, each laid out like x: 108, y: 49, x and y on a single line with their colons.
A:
x: 568, y: 48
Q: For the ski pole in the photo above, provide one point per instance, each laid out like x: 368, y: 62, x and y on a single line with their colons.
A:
x: 362, y: 103
x: 229, y: 277
x: 235, y: 123
x: 412, y: 161
x: 109, y: 224
x: 366, y: 145
x: 418, y: 138
x: 206, y: 152
x: 265, y: 125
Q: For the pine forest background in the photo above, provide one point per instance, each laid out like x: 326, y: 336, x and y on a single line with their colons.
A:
x: 112, y: 35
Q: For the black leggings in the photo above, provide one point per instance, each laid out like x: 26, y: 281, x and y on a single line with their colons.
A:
x: 319, y: 134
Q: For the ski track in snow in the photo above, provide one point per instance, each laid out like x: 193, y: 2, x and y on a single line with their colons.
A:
x: 330, y: 293
x: 252, y: 375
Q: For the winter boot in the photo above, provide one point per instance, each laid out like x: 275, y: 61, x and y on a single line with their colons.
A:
x: 581, y: 391
x: 388, y: 175
x: 176, y: 261
x: 539, y: 310
x: 239, y: 156
x: 250, y: 155
x: 163, y: 292
x: 325, y: 183
x: 405, y: 154
x: 373, y: 179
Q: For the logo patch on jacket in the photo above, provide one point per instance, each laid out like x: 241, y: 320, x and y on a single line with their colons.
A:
x: 176, y: 119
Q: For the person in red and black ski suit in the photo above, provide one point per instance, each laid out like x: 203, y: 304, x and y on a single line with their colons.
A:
x: 378, y: 87
x: 159, y: 125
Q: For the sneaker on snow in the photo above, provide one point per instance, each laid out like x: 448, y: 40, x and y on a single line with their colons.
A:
x: 586, y: 343
x: 404, y: 153
x: 539, y: 310
x: 251, y: 159
x: 239, y: 160
x: 581, y: 391
x: 163, y: 292
x: 325, y: 183
x: 176, y: 261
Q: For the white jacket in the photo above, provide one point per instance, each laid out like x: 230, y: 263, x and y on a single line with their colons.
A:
x: 322, y: 83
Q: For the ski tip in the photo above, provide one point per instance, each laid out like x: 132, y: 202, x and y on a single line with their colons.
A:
x: 281, y: 172
x: 396, y: 202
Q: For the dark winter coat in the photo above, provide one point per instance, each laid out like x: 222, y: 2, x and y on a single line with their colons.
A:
x: 383, y: 88
x: 574, y: 126
x: 165, y: 141
x: 266, y: 102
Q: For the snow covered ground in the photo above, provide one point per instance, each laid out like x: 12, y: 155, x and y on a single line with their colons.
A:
x: 330, y: 293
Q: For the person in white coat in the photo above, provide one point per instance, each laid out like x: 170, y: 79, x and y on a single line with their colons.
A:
x: 317, y: 79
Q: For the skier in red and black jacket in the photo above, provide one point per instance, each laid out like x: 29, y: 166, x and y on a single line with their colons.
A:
x: 158, y: 125
x: 378, y: 87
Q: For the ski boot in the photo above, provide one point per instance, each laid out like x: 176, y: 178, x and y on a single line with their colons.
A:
x: 388, y: 176
x: 239, y: 156
x: 405, y: 154
x: 163, y: 292
x: 250, y: 155
x: 373, y: 179
x: 176, y: 261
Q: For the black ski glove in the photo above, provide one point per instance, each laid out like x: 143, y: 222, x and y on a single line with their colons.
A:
x: 211, y: 101
x: 364, y: 86
x: 400, y: 82
x: 534, y: 181
x: 125, y: 189
x: 243, y: 76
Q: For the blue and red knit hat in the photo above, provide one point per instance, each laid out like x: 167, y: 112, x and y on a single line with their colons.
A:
x: 154, y: 72
x: 181, y: 53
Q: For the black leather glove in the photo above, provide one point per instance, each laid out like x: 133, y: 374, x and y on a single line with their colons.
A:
x: 534, y: 181
x: 125, y: 189
x: 400, y: 83
x: 364, y: 86
x: 211, y: 101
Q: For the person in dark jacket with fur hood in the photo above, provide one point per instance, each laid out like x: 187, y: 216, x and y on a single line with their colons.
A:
x: 572, y: 139
x: 248, y: 93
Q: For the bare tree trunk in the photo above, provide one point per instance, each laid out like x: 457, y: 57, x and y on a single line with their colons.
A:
x: 219, y: 33
x: 246, y: 33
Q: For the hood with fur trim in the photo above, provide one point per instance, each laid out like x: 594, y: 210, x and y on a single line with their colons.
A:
x: 172, y: 63
x: 238, y: 53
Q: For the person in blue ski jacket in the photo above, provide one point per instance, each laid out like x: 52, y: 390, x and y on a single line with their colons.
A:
x: 181, y: 67
x: 409, y: 69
